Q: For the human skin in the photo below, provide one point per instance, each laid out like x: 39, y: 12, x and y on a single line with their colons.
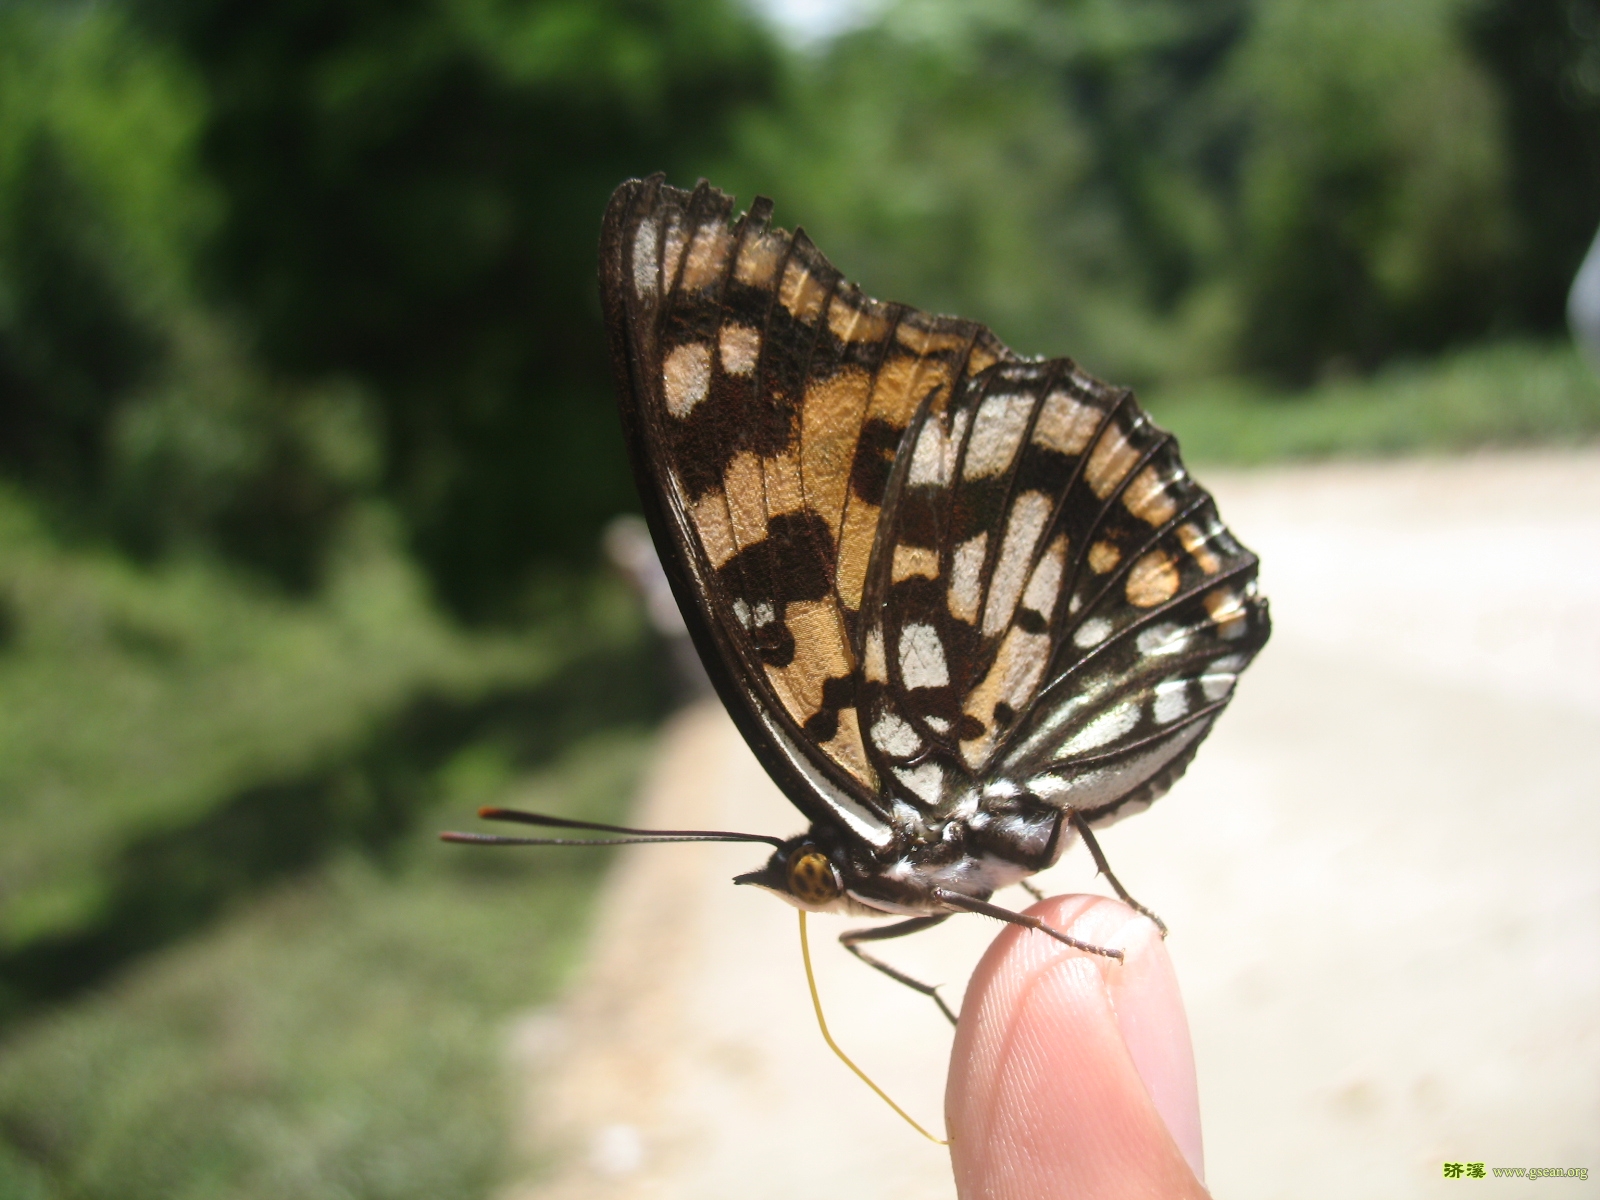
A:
x: 1072, y: 1074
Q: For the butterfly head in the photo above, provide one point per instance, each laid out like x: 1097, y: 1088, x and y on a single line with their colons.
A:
x: 809, y: 874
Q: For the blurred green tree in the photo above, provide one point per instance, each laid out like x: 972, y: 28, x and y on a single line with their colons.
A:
x: 1059, y: 169
x: 1172, y: 187
x: 410, y: 198
x: 394, y: 207
x: 1545, y: 54
x: 1373, y: 213
x: 125, y: 404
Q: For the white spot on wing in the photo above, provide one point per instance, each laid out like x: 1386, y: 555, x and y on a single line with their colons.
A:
x: 677, y: 237
x: 646, y: 245
x: 952, y: 444
x: 927, y: 781
x: 1217, y: 686
x: 996, y: 434
x: 922, y: 657
x: 741, y: 610
x: 1165, y: 638
x: 740, y: 347
x: 1091, y: 633
x: 685, y: 377
x: 1048, y: 787
x: 928, y: 459
x: 1172, y: 700
x: 1046, y: 582
x: 966, y: 578
x: 938, y: 724
x: 894, y: 737
x: 1105, y: 728
x: 1028, y: 516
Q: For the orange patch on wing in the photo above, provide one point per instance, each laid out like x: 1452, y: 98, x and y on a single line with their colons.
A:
x: 708, y: 257
x: 821, y: 652
x: 830, y: 426
x: 981, y: 359
x: 801, y: 292
x: 1226, y: 608
x: 711, y: 522
x: 857, y: 319
x: 921, y: 340
x: 745, y: 486
x: 1012, y: 679
x: 1110, y: 461
x: 783, y: 484
x: 913, y: 560
x: 855, y: 550
x: 1103, y: 556
x: 847, y: 749
x: 902, y: 383
x: 758, y: 259
x: 1153, y: 580
x: 1148, y: 499
x: 1194, y: 542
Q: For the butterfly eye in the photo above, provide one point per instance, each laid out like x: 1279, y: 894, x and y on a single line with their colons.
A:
x: 812, y: 878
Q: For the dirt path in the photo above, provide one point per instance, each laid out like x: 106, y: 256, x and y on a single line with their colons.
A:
x: 1382, y: 876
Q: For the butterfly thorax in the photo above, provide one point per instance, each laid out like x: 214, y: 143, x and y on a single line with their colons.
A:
x: 993, y: 842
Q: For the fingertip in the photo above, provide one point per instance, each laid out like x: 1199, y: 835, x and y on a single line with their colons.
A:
x: 1072, y: 1074
x: 1155, y: 1029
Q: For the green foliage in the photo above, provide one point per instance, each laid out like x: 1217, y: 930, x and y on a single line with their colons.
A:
x: 348, y: 1035
x: 411, y: 197
x: 1166, y: 188
x: 134, y: 411
x: 1545, y: 55
x: 98, y: 207
x: 1043, y: 167
x: 1373, y: 216
x: 176, y: 738
x: 1497, y: 395
x: 393, y: 207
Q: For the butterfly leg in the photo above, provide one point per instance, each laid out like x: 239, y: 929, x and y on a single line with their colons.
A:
x: 1030, y: 889
x: 967, y: 904
x: 899, y: 929
x: 1082, y: 826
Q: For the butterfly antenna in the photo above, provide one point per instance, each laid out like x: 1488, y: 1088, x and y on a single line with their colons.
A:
x: 629, y: 836
x: 822, y: 1023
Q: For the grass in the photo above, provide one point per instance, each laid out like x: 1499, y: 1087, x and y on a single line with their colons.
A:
x: 233, y: 959
x: 1507, y: 394
x: 343, y: 1036
x: 135, y: 701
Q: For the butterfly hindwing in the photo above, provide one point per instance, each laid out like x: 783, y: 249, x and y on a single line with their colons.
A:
x: 918, y: 565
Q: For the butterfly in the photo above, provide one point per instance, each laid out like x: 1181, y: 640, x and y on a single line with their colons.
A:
x: 965, y: 606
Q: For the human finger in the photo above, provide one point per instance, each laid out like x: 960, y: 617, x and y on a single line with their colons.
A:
x: 1072, y: 1074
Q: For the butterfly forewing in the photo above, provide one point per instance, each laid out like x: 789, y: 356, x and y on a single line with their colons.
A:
x: 919, y: 566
